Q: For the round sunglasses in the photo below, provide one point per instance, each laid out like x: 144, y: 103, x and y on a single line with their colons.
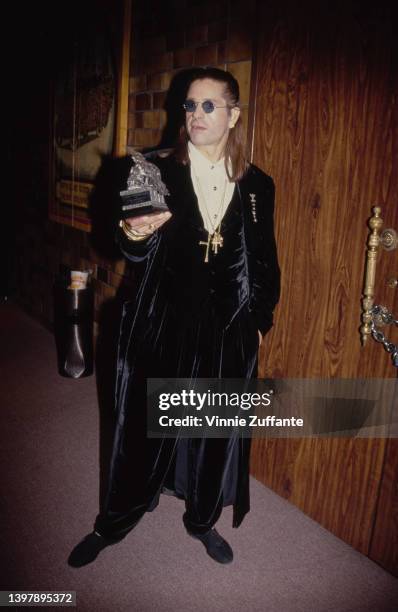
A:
x: 207, y: 105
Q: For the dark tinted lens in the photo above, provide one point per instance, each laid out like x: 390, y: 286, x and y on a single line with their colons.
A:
x: 208, y: 106
x: 189, y: 106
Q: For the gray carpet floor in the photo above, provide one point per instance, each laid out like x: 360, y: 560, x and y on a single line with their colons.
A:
x: 50, y: 458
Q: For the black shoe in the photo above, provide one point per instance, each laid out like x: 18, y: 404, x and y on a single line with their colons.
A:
x: 89, y: 548
x: 215, y: 545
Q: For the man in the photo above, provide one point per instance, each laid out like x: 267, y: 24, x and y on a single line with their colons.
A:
x: 207, y: 297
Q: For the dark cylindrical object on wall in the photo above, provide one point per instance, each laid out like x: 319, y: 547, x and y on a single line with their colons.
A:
x: 73, y: 330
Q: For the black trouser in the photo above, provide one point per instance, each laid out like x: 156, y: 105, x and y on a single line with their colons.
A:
x: 204, y: 487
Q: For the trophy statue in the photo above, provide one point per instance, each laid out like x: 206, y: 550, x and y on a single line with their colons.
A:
x: 145, y: 189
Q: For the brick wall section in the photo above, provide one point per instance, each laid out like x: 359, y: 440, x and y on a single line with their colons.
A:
x: 166, y: 37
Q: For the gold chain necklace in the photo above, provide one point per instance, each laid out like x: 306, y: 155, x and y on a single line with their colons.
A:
x: 214, y: 239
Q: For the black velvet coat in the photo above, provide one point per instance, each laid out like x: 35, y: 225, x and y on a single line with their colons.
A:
x: 191, y: 319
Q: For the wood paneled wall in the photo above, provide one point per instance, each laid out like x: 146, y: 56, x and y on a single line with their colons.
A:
x: 324, y: 102
x: 325, y: 118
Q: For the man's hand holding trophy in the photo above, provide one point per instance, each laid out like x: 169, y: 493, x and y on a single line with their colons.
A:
x: 143, y: 208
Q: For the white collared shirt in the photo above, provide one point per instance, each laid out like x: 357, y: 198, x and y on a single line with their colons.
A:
x: 212, y: 186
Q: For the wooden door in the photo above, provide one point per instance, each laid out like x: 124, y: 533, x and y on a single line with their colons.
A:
x: 324, y: 109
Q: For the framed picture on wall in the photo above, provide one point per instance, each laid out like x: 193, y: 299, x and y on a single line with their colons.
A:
x: 88, y: 103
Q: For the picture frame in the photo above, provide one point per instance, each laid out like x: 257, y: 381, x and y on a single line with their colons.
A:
x: 89, y: 109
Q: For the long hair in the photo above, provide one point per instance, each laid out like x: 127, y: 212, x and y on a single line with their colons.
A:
x: 235, y: 147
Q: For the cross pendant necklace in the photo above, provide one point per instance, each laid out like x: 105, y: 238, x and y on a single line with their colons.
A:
x: 216, y: 242
x: 214, y: 239
x: 207, y: 243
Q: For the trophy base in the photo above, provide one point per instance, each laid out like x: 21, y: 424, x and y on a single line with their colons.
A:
x: 143, y: 210
x: 138, y: 202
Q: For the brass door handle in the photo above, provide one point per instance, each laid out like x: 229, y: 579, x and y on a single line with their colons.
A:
x: 375, y: 224
x: 388, y: 239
